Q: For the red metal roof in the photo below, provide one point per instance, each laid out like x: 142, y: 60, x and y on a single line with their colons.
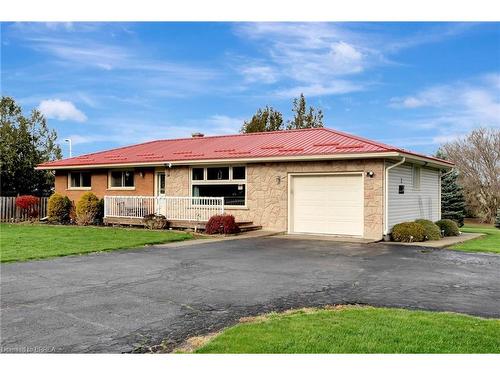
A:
x: 303, y: 142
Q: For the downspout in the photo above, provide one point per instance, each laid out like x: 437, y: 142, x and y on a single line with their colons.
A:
x: 386, y: 194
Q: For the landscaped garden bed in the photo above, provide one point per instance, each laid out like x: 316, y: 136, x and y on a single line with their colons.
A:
x: 424, y: 230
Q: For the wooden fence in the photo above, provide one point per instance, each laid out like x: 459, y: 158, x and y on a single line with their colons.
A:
x: 9, y: 211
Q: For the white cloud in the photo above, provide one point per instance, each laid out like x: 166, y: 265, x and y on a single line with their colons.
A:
x: 449, y: 111
x: 259, y: 73
x: 221, y: 124
x: 334, y: 87
x: 131, y: 67
x: 474, y: 102
x: 131, y: 131
x: 61, y: 110
x: 346, y: 57
x: 312, y: 58
x: 317, y: 55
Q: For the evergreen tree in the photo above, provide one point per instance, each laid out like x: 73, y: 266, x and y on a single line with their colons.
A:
x: 25, y: 142
x: 304, y: 118
x: 452, y: 196
x: 265, y: 120
x: 497, y: 220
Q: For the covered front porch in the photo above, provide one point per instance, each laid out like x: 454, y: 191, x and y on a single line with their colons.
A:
x: 183, y: 211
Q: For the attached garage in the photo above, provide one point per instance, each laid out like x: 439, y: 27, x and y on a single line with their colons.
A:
x: 326, y: 204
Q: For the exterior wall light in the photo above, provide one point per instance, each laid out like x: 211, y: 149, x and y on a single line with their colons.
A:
x: 370, y: 174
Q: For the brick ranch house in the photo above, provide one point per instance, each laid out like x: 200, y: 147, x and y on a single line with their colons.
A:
x: 317, y: 181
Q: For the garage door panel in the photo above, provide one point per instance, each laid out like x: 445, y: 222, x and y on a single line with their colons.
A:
x: 327, y: 204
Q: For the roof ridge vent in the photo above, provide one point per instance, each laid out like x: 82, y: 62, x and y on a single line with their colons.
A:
x: 197, y: 135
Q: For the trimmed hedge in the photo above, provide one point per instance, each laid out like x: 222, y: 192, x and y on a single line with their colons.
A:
x: 87, y: 209
x: 449, y: 227
x: 431, y: 231
x: 59, y: 208
x: 408, y: 232
x: 221, y: 224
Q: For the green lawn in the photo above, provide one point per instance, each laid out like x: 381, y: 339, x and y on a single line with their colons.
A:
x: 34, y: 241
x: 489, y: 243
x: 358, y: 329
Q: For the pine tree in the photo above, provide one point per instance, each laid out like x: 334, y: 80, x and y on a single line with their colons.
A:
x: 452, y: 199
x: 497, y: 220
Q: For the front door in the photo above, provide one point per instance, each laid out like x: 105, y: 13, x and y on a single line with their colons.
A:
x: 160, y: 192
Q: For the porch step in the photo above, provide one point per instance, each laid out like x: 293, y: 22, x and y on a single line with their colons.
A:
x: 245, y: 226
x: 249, y: 227
x: 241, y: 223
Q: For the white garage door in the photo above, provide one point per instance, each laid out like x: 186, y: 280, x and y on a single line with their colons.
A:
x: 327, y: 204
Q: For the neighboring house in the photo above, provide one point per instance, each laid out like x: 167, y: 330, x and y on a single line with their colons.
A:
x: 300, y: 181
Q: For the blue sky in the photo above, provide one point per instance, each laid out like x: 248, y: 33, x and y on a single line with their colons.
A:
x: 414, y: 85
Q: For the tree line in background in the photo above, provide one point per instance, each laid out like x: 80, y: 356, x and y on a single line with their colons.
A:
x: 25, y: 142
x: 473, y: 189
x: 269, y: 119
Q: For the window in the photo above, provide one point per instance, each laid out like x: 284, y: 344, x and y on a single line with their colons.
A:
x: 239, y: 173
x: 417, y: 171
x: 226, y: 182
x: 79, y: 180
x: 121, y: 179
x: 218, y: 173
x: 198, y: 173
x: 233, y: 194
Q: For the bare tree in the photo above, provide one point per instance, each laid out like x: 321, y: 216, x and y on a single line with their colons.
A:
x: 477, y: 157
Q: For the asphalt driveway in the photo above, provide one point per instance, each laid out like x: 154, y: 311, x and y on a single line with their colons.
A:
x: 129, y: 300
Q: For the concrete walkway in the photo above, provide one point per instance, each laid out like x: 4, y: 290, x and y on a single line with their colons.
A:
x: 204, y: 239
x: 443, y: 242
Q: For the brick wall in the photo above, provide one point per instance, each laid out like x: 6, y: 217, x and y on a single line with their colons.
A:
x: 143, y: 185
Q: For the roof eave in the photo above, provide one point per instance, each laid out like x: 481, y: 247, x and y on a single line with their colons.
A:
x: 361, y: 155
x: 428, y: 161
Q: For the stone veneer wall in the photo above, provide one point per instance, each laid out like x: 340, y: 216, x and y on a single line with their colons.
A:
x: 267, y: 201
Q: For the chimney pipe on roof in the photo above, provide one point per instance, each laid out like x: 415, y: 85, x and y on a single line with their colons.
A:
x: 197, y: 135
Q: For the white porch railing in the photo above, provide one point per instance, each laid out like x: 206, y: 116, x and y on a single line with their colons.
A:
x: 173, y: 208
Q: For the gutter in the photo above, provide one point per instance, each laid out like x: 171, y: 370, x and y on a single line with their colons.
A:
x: 386, y: 194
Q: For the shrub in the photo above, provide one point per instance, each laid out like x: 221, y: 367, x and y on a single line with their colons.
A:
x: 153, y: 221
x: 59, y: 208
x: 29, y: 204
x: 221, y: 224
x: 87, y: 209
x: 431, y: 230
x: 497, y: 220
x: 449, y: 227
x: 408, y: 232
x: 100, y: 211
